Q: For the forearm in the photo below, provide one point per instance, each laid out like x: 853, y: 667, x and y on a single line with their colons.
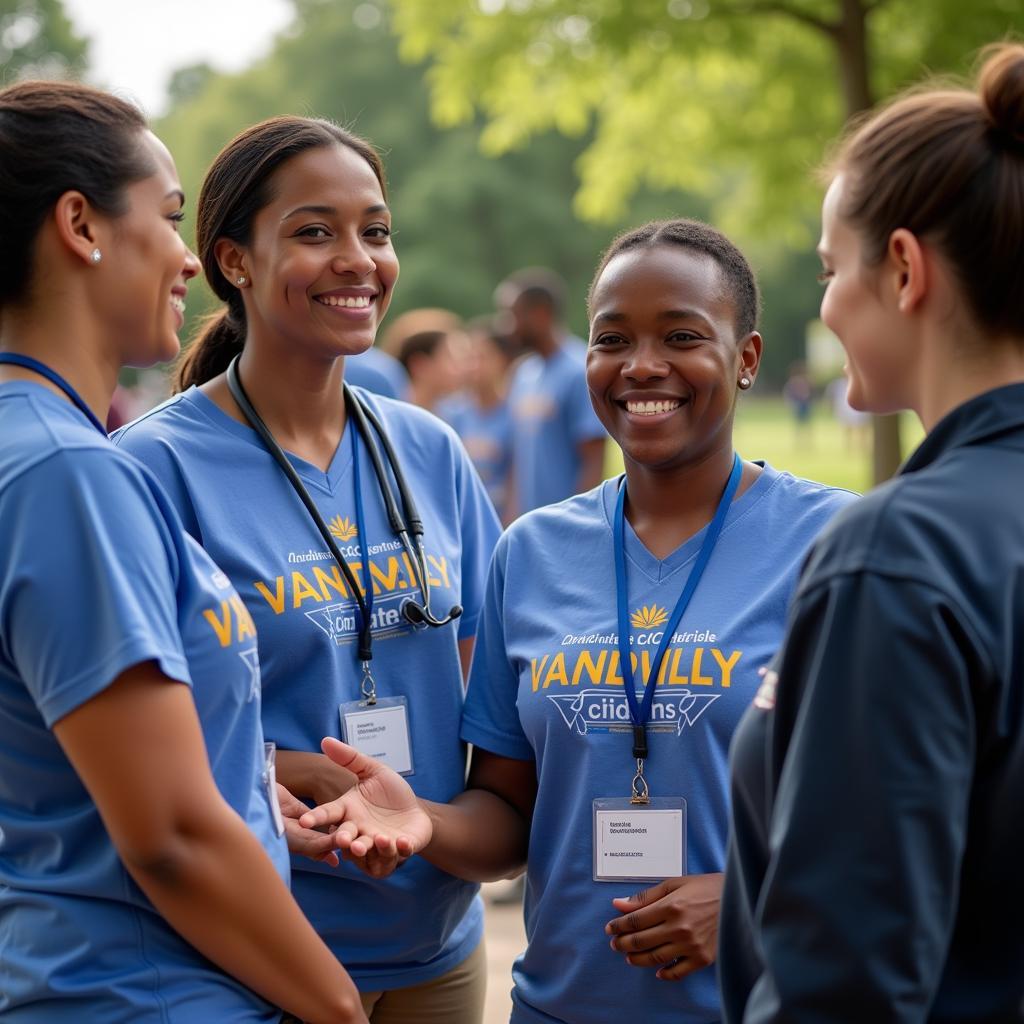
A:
x: 478, y: 836
x: 215, y: 886
x: 312, y: 776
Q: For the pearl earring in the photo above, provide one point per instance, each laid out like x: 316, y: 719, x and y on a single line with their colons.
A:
x: 745, y: 382
x: 96, y: 255
x: 240, y: 280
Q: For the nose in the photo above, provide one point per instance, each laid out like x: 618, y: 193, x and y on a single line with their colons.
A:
x: 192, y: 265
x: 352, y: 257
x: 645, y: 362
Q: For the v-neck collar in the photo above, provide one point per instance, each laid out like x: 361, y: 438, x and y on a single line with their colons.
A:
x: 329, y: 482
x: 640, y: 558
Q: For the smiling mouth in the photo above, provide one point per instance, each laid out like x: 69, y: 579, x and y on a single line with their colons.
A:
x: 652, y: 408
x: 349, y: 302
x: 178, y: 304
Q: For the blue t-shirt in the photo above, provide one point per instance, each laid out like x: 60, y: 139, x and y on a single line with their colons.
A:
x: 377, y: 372
x: 551, y: 417
x: 546, y: 687
x: 487, y: 436
x: 99, y: 576
x: 234, y: 498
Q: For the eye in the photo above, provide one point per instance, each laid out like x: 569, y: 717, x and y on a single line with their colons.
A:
x: 607, y: 341
x: 177, y: 217
x: 381, y: 232
x: 684, y: 336
x: 313, y: 231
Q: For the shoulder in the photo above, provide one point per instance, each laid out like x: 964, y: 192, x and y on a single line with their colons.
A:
x: 571, y: 524
x: 802, y: 500
x: 407, y: 424
x: 174, y: 419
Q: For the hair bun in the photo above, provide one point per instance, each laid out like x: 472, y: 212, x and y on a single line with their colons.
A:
x: 1001, y: 88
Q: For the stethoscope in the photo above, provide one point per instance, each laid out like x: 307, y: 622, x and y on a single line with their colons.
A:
x: 405, y: 523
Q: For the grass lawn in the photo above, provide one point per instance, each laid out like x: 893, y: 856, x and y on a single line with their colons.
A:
x: 765, y: 430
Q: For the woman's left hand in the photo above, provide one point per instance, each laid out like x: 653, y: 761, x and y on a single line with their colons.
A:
x: 672, y: 926
x: 319, y: 846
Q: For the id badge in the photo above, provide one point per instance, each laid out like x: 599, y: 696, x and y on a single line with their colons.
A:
x: 639, y: 842
x: 380, y: 731
x: 270, y: 783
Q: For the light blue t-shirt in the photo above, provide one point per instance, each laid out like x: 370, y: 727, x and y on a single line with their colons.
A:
x: 233, y: 497
x: 551, y: 417
x: 98, y: 576
x: 487, y: 437
x: 377, y: 372
x: 546, y: 687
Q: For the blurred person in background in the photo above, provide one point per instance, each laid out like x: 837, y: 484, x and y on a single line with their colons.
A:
x: 436, y: 362
x: 479, y: 412
x: 143, y: 875
x: 378, y: 372
x: 558, y: 443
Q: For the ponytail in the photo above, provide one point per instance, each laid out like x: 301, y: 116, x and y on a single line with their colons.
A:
x: 220, y: 338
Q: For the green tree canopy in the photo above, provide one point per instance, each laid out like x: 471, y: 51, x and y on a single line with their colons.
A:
x: 38, y: 41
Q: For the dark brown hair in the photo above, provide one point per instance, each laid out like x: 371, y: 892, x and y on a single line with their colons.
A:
x: 948, y: 165
x: 237, y: 186
x: 57, y: 137
x: 703, y: 240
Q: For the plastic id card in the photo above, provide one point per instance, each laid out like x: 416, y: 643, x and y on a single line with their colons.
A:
x: 639, y: 842
x: 380, y: 731
x: 270, y: 784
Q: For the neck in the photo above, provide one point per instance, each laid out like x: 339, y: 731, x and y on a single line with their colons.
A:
x: 488, y: 394
x: 82, y: 356
x: 949, y: 382
x: 545, y: 345
x: 421, y: 395
x: 300, y: 399
x: 668, y: 506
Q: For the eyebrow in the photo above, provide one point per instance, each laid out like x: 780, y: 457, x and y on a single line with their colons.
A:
x: 331, y: 210
x: 666, y: 315
x: 178, y: 193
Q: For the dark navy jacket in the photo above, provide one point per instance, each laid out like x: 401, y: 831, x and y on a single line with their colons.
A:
x: 876, y: 867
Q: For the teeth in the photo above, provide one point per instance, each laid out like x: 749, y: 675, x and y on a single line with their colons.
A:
x: 178, y: 303
x: 651, y: 408
x: 349, y: 302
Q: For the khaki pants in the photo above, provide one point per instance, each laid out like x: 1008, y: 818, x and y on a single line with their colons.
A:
x: 455, y: 998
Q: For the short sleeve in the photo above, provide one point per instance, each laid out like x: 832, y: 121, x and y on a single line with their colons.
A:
x: 490, y: 718
x: 89, y: 586
x: 479, y: 529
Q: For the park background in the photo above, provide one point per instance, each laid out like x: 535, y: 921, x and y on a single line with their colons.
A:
x: 530, y: 132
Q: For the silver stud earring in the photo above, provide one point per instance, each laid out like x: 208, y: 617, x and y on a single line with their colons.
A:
x: 96, y: 255
x: 745, y: 382
x: 240, y: 280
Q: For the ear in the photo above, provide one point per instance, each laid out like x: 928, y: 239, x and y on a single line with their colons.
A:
x: 232, y: 260
x: 79, y: 227
x: 750, y: 355
x: 908, y: 264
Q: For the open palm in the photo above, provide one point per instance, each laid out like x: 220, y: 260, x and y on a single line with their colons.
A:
x: 380, y: 822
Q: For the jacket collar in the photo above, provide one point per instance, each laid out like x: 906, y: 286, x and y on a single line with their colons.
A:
x: 996, y: 412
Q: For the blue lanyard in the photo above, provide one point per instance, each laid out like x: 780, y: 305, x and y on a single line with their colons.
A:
x: 364, y: 544
x: 54, y: 378
x: 640, y: 712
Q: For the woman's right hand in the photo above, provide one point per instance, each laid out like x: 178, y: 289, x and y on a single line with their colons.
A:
x: 380, y: 822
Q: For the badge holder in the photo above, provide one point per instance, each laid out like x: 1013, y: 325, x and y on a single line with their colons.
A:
x: 270, y: 784
x: 639, y: 842
x: 379, y: 727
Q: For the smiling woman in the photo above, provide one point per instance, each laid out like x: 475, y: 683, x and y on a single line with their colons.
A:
x: 581, y: 707
x: 294, y: 233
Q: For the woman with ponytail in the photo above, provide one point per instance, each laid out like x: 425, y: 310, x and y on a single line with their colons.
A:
x: 875, y: 870
x: 294, y: 234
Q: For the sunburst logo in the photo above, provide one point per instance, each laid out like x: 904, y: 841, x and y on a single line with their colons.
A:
x: 342, y: 528
x: 648, y: 616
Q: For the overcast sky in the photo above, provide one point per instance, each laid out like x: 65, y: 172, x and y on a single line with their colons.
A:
x: 137, y: 44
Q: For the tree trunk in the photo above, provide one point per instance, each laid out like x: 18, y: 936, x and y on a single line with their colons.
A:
x: 852, y: 46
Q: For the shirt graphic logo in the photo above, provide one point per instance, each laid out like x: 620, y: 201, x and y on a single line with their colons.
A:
x: 599, y: 711
x: 342, y: 528
x: 648, y: 617
x: 251, y: 658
